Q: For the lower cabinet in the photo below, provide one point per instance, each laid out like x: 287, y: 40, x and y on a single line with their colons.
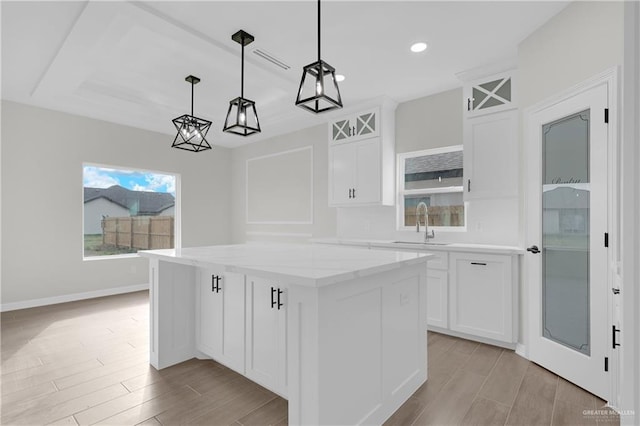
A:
x: 482, y: 295
x: 221, y: 318
x: 437, y: 298
x: 266, y: 337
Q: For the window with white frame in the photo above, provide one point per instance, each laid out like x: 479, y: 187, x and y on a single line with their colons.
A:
x: 126, y: 210
x: 435, y: 177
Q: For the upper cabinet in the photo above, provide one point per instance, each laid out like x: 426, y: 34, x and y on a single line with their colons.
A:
x: 362, y: 158
x: 490, y: 94
x: 363, y: 125
x: 490, y: 137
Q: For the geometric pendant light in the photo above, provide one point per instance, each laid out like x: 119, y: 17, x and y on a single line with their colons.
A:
x: 242, y: 117
x: 191, y: 130
x: 319, y: 90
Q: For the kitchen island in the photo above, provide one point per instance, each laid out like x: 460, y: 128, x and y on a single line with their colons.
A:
x: 339, y: 332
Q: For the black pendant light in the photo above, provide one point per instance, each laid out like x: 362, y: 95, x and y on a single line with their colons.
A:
x: 242, y: 118
x: 191, y: 130
x: 319, y: 90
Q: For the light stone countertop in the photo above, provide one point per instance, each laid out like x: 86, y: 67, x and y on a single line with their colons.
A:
x: 418, y: 247
x: 301, y: 264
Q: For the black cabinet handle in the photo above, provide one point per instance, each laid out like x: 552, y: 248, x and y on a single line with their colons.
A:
x: 350, y: 193
x: 614, y: 330
x: 468, y: 104
x: 354, y: 193
x: 279, y: 302
x: 215, y: 283
x: 273, y: 299
x: 468, y: 185
x: 534, y: 249
x: 615, y: 290
x: 479, y: 263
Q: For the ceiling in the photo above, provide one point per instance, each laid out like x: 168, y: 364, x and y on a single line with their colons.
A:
x: 126, y: 62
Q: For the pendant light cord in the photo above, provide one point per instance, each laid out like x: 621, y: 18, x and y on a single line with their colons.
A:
x: 318, y: 30
x: 192, y: 98
x: 242, y: 71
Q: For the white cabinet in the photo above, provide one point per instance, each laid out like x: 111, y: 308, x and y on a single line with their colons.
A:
x: 490, y: 94
x: 491, y: 156
x: 482, y: 298
x: 437, y: 298
x: 266, y: 338
x: 363, y: 125
x: 438, y: 290
x: 355, y: 172
x: 362, y: 158
x: 221, y: 317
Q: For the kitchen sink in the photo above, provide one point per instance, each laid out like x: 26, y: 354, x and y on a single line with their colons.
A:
x: 421, y: 243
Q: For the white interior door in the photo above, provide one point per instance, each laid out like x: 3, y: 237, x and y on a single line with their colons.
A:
x: 566, y: 263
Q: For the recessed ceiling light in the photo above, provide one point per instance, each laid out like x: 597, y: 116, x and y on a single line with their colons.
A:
x: 418, y: 47
x: 340, y: 77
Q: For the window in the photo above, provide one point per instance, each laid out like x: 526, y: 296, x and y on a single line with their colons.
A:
x: 435, y: 177
x: 127, y: 210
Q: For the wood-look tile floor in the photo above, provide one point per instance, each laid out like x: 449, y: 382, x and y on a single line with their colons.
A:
x: 86, y: 362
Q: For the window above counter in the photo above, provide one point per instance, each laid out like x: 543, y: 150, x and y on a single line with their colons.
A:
x: 434, y: 177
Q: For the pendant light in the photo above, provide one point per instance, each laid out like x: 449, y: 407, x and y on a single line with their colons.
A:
x: 242, y: 118
x: 191, y: 129
x: 319, y: 90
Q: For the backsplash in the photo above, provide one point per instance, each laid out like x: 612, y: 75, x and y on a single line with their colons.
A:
x: 493, y: 221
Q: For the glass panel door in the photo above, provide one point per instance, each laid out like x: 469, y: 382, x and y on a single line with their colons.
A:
x: 565, y: 232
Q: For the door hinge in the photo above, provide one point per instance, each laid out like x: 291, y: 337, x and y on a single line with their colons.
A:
x: 606, y: 239
x: 606, y: 363
x: 606, y: 115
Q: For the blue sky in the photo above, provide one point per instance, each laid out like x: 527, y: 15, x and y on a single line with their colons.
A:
x: 104, y: 177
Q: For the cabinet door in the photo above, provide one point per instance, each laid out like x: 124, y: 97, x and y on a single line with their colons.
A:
x: 491, y: 156
x: 209, y: 320
x: 221, y: 317
x: 490, y: 94
x: 366, y: 124
x: 266, y: 335
x: 437, y: 298
x: 481, y: 295
x: 341, y: 172
x: 340, y: 130
x: 232, y: 339
x: 367, y: 171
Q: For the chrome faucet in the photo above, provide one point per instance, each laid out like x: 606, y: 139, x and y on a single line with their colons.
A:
x: 426, y: 222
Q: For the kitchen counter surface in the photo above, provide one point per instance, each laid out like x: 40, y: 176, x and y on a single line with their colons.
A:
x: 419, y: 247
x: 300, y: 264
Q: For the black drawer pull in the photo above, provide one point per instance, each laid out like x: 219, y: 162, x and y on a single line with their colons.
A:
x: 273, y: 299
x: 479, y: 263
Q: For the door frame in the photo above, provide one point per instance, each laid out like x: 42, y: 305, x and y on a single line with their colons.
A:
x: 530, y: 136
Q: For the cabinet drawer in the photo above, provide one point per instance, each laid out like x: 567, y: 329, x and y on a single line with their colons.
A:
x: 440, y: 261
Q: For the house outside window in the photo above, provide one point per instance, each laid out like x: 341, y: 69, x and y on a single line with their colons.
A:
x: 435, y: 177
x: 126, y: 210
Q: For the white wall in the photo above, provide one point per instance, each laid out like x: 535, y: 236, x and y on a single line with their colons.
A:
x: 324, y: 217
x: 42, y: 199
x: 630, y: 220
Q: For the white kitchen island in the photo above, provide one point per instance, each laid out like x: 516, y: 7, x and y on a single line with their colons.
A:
x: 339, y: 332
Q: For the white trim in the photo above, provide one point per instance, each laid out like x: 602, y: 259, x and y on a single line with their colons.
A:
x: 522, y: 351
x: 32, y: 303
x: 279, y: 234
x: 177, y: 216
x: 311, y: 195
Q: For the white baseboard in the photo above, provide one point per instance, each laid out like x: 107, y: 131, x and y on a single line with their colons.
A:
x: 5, y: 307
